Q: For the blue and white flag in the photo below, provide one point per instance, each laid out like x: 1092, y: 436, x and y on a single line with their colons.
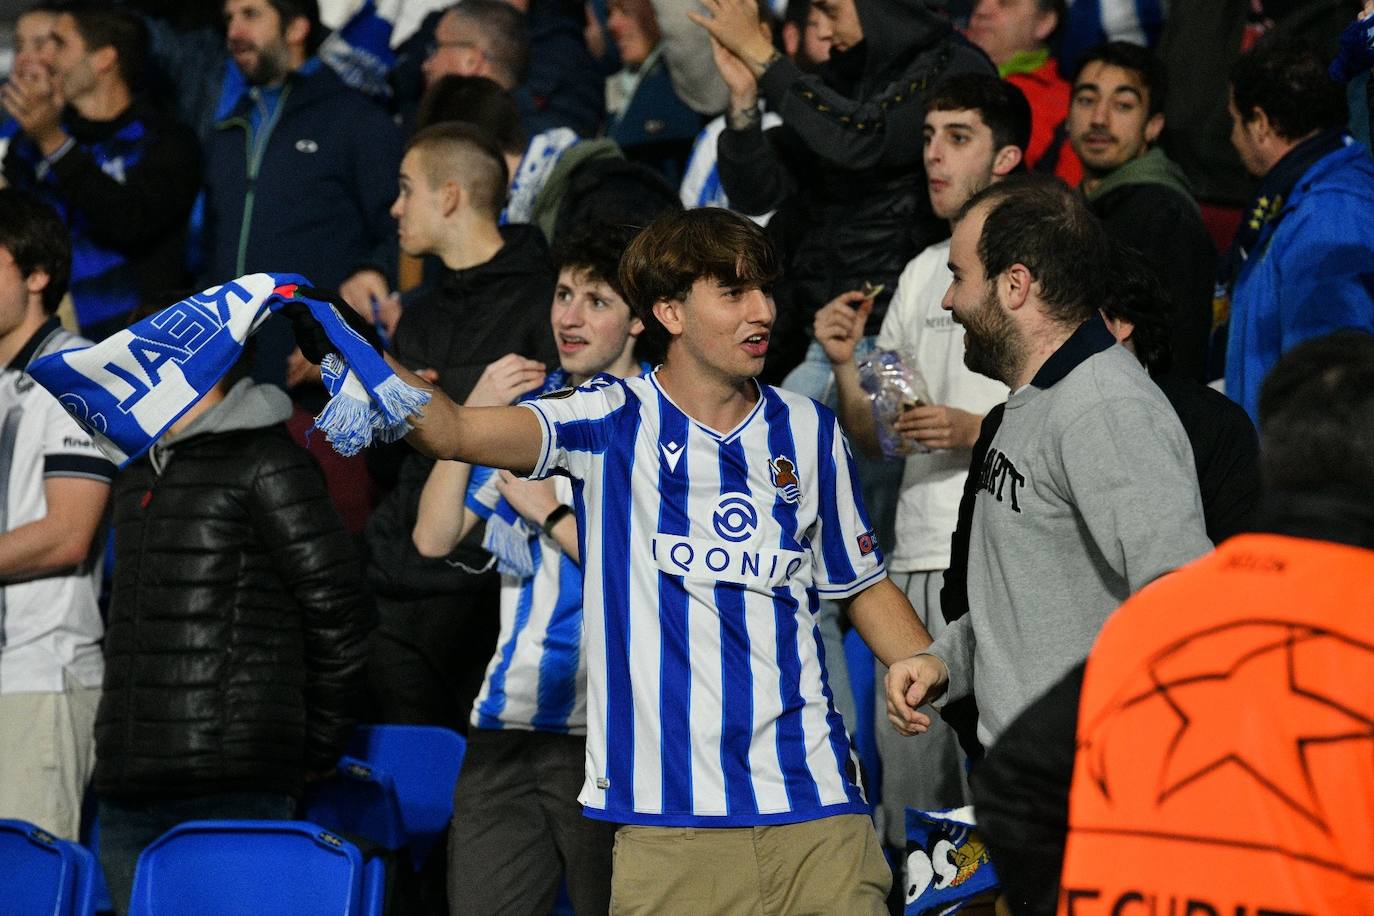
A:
x: 129, y: 388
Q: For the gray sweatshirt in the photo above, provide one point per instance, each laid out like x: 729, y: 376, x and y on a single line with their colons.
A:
x: 1088, y: 493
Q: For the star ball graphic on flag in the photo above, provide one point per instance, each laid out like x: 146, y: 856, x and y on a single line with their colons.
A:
x: 1220, y: 747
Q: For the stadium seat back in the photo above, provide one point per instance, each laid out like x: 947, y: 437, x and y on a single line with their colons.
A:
x: 41, y: 874
x: 249, y: 868
x: 423, y: 762
x: 361, y: 801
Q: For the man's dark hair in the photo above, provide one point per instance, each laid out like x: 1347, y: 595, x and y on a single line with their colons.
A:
x: 507, y: 37
x: 1134, y: 293
x: 1060, y: 9
x: 1038, y: 221
x: 1002, y: 106
x: 35, y: 237
x: 454, y: 150
x: 478, y: 101
x: 1285, y: 77
x: 1140, y: 60
x: 595, y: 249
x: 103, y: 26
x: 309, y: 10
x: 1316, y: 417
x: 680, y: 247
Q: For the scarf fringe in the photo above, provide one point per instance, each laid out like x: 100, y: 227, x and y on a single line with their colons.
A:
x: 346, y: 423
x: 510, y: 545
x: 396, y: 402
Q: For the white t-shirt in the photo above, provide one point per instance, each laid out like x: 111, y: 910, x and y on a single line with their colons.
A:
x: 49, y: 625
x: 933, y: 482
x: 704, y: 559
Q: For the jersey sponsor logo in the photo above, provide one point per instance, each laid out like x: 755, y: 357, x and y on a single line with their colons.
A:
x: 784, y: 474
x: 306, y: 145
x: 735, y: 518
x: 1000, y: 478
x: 558, y: 395
x: 671, y: 453
x: 73, y: 442
x: 699, y: 559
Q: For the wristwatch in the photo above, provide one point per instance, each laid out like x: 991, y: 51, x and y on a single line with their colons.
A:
x: 554, y: 517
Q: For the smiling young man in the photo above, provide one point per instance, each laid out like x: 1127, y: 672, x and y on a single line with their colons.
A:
x: 1143, y: 199
x: 1086, y: 491
x: 714, y: 514
x: 517, y: 828
x: 976, y: 130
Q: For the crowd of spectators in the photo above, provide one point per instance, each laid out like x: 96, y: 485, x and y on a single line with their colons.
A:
x: 1093, y: 228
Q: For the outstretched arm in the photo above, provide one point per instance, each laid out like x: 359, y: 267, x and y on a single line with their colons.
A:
x: 499, y: 437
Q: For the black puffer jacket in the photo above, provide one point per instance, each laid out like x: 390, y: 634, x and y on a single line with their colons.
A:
x: 238, y: 617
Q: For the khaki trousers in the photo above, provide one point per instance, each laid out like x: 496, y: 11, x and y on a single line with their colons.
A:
x: 832, y: 865
x: 47, y: 751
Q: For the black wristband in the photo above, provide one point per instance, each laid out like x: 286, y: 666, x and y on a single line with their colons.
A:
x: 554, y: 517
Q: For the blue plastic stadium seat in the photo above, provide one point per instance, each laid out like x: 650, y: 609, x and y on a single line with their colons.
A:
x: 42, y: 875
x: 423, y: 762
x: 253, y: 868
x: 360, y: 800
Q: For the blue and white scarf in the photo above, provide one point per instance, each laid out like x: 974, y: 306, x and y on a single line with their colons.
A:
x: 509, y: 537
x: 540, y: 159
x: 128, y: 389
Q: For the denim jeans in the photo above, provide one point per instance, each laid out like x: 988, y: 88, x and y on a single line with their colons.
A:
x: 127, y: 828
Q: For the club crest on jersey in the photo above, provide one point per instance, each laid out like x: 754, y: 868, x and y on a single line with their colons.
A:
x: 784, y: 474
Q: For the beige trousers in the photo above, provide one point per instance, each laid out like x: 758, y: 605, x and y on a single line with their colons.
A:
x: 828, y: 866
x: 47, y: 751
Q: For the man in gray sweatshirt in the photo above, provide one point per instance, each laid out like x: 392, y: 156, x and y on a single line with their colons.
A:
x: 1087, y: 490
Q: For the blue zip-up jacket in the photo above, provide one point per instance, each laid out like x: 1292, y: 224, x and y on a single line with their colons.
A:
x: 315, y: 198
x: 124, y: 187
x: 1311, y: 271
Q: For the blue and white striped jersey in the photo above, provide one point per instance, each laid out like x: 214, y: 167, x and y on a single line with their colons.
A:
x: 536, y: 680
x: 704, y: 557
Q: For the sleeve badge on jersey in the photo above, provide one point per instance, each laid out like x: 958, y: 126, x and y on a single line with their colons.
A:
x: 785, y: 478
x: 868, y: 542
x: 558, y: 395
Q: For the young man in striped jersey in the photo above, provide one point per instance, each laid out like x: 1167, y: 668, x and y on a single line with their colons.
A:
x: 517, y: 827
x: 715, y: 513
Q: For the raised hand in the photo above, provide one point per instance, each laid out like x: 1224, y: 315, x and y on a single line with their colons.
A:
x: 505, y: 380
x: 839, y: 325
x: 533, y: 499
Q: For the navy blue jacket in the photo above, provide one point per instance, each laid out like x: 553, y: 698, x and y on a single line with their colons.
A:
x: 316, y: 200
x: 563, y: 87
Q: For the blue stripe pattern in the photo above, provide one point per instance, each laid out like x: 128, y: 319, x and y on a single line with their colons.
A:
x: 737, y: 679
x: 617, y: 468
x: 557, y: 691
x: 791, y: 737
x: 675, y: 676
